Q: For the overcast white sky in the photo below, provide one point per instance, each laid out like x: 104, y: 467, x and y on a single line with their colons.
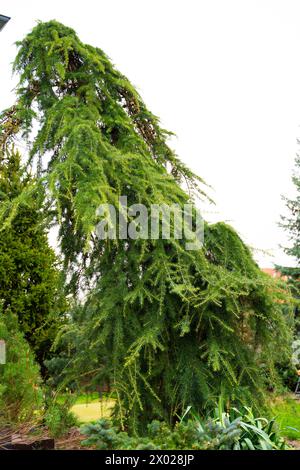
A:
x: 224, y: 75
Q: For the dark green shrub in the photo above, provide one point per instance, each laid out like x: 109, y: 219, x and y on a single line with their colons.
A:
x: 29, y: 273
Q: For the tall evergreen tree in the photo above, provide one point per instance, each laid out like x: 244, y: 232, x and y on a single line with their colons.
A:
x: 291, y: 223
x: 29, y: 277
x: 168, y: 327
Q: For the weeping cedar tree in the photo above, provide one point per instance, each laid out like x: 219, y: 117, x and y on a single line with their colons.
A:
x: 29, y: 278
x: 168, y: 327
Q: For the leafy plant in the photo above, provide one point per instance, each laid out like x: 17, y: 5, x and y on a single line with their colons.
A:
x: 241, y: 430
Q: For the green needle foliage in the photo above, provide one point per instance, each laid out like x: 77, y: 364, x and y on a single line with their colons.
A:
x: 20, y: 382
x: 29, y: 278
x: 168, y: 328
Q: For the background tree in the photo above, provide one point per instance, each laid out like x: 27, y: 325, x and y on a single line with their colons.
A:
x: 168, y: 327
x: 29, y: 275
x: 291, y: 225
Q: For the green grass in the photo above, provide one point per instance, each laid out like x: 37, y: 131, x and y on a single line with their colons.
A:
x: 89, y: 407
x: 87, y: 412
x: 84, y: 398
x: 287, y: 413
x: 87, y: 398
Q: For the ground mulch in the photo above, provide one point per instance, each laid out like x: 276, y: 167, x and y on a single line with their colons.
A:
x: 294, y: 444
x: 71, y: 441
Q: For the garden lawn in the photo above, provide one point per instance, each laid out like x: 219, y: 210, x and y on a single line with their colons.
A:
x: 87, y: 412
x: 287, y: 412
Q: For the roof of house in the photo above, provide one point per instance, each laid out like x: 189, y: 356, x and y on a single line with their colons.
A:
x: 274, y: 273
